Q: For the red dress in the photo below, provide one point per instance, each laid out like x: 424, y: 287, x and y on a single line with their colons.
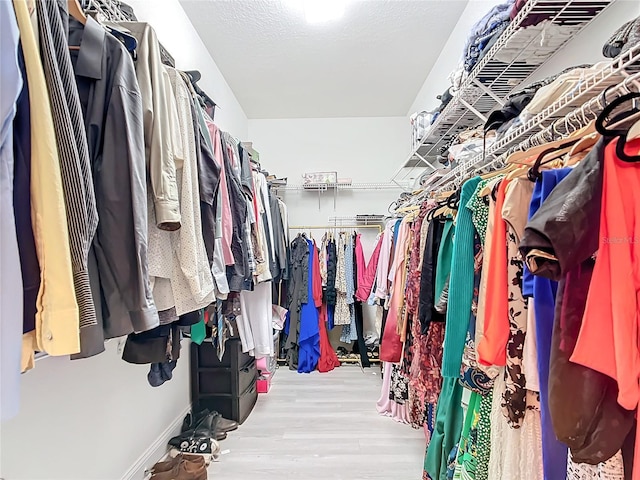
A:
x: 328, y: 358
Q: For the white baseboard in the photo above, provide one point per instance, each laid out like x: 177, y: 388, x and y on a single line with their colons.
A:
x: 156, y: 450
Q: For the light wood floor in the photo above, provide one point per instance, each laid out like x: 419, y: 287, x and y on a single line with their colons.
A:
x: 321, y: 426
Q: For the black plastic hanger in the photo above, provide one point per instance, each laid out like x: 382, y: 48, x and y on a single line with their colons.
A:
x: 618, y: 132
x: 609, y: 109
x: 534, y: 172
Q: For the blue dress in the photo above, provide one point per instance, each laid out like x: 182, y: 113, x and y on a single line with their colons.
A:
x: 309, y: 337
x: 543, y: 290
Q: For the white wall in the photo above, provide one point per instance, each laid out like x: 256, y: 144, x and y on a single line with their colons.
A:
x: 89, y: 419
x: 363, y: 149
x: 93, y: 419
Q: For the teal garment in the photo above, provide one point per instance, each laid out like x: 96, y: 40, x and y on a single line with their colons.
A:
x: 443, y: 267
x: 460, y: 285
x: 449, y: 418
x: 198, y: 332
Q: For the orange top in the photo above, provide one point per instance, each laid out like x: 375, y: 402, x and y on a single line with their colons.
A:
x: 608, y: 340
x: 492, y: 346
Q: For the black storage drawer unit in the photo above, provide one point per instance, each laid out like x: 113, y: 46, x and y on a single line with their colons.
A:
x: 233, y: 356
x: 227, y: 386
x: 229, y: 406
x: 227, y: 381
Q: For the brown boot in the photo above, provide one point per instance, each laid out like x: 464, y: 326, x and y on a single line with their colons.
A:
x: 183, y: 471
x: 172, y: 463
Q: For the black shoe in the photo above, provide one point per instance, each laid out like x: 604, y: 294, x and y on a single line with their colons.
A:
x: 213, y: 420
x: 225, y: 425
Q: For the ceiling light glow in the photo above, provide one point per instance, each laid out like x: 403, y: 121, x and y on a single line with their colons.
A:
x: 320, y: 11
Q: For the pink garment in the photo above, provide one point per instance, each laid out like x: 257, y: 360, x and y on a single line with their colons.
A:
x: 386, y: 406
x: 384, y: 260
x: 227, y: 219
x: 391, y: 345
x: 366, y: 273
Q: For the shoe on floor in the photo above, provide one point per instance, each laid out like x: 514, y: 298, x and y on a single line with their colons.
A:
x: 183, y: 471
x: 211, y: 420
x: 169, y: 465
x: 225, y: 425
x: 203, y: 445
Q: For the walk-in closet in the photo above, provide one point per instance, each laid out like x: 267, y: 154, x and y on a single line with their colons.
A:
x: 319, y: 239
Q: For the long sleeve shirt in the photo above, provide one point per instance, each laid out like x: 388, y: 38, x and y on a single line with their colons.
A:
x: 57, y: 316
x: 159, y: 119
x: 112, y: 108
x: 382, y: 272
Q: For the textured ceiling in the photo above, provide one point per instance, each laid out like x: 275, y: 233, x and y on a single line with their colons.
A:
x: 372, y: 62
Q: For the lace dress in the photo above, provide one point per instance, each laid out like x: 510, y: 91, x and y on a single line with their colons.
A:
x: 343, y: 313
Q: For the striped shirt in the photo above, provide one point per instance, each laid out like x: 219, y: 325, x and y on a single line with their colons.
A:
x: 73, y: 153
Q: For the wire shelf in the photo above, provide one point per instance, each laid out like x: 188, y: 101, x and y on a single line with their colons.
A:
x: 323, y: 187
x: 586, y: 95
x: 517, y: 54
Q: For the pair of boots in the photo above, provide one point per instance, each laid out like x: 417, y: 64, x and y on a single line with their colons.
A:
x: 182, y: 467
x: 201, y: 433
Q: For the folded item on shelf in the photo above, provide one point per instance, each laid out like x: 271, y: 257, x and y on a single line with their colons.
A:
x: 625, y: 38
x: 511, y: 110
x: 485, y: 46
x: 561, y: 86
x: 523, y: 49
x: 469, y: 149
x: 420, y: 123
x: 457, y: 78
x: 444, y: 98
x: 531, y: 19
x: 483, y: 30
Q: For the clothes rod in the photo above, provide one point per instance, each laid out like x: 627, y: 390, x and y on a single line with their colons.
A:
x: 333, y: 227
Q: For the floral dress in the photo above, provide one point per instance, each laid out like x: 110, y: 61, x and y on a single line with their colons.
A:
x: 514, y: 212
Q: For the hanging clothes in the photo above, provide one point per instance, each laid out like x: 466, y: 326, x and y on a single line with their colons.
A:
x: 11, y: 282
x: 367, y: 271
x: 426, y: 312
x: 384, y: 262
x: 298, y: 295
x: 544, y: 293
x: 75, y: 167
x: 309, y: 336
x: 515, y: 213
x: 460, y: 285
x: 343, y: 312
x: 580, y: 425
x: 57, y: 316
x: 386, y: 405
x: 254, y: 322
x: 328, y: 358
x: 492, y: 347
x: 484, y: 217
x: 391, y: 346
